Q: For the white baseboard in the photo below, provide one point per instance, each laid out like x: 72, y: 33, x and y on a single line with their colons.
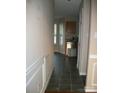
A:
x: 46, y: 84
x: 90, y: 90
x: 80, y: 73
x: 93, y: 56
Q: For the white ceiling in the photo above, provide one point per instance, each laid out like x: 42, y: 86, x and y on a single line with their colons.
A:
x: 64, y: 8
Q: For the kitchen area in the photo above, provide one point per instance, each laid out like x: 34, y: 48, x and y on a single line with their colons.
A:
x: 66, y: 40
x: 71, y: 39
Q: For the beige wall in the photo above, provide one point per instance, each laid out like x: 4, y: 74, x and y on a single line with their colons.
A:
x: 39, y: 28
x: 39, y: 44
x: 83, y: 36
x: 91, y: 83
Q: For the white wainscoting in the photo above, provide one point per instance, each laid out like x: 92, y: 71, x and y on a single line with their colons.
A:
x: 36, y: 76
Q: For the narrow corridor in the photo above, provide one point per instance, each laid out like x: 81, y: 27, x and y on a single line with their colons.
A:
x: 65, y: 76
x: 64, y: 26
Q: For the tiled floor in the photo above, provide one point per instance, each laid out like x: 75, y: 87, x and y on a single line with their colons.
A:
x: 65, y: 76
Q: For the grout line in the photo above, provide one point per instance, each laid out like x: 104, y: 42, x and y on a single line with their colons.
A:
x: 70, y: 80
x: 59, y: 84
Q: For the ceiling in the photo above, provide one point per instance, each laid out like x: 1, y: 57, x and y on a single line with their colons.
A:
x: 66, y: 8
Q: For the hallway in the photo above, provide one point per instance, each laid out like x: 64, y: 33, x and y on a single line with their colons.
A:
x: 68, y: 28
x: 65, y: 76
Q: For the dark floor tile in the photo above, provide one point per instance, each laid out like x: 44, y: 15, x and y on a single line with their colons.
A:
x: 75, y: 78
x: 65, y: 81
x: 74, y: 74
x: 53, y: 87
x: 77, y: 87
x: 76, y: 81
x: 64, y: 87
x: 74, y: 71
x: 65, y: 76
x: 78, y: 90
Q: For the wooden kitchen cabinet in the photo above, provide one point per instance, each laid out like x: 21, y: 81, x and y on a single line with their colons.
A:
x: 70, y: 26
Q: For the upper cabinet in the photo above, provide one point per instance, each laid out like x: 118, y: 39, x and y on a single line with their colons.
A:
x: 71, y: 27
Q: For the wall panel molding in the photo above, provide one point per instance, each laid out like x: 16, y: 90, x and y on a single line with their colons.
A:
x: 32, y: 69
x: 37, y: 77
x: 46, y: 83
